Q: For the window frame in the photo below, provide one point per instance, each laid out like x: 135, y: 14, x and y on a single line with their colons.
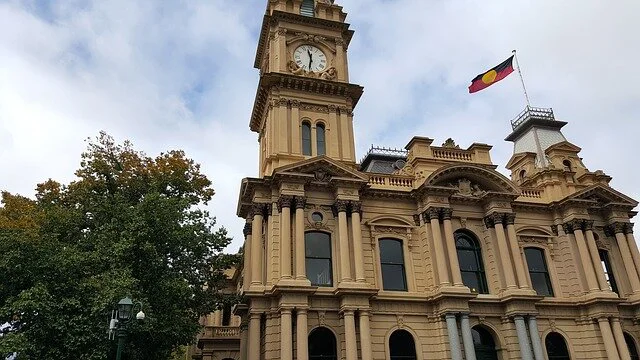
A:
x: 481, y: 273
x: 322, y: 126
x: 399, y: 357
x: 336, y: 348
x: 330, y: 258
x: 547, y: 272
x: 306, y: 125
x: 607, y: 267
x: 403, y: 264
x: 566, y: 345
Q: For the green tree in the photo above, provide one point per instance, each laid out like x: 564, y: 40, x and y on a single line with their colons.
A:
x: 129, y: 225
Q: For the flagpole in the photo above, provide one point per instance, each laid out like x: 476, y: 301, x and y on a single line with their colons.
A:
x: 526, y: 96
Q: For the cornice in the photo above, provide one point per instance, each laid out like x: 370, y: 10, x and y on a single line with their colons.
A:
x: 294, y: 82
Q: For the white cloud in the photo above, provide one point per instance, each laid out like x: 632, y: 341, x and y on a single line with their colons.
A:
x: 179, y: 75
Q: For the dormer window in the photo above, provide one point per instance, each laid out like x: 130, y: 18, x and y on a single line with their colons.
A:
x: 307, y: 8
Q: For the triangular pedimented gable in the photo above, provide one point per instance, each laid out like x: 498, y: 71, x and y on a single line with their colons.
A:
x: 516, y: 158
x: 563, y: 146
x: 322, y: 168
x: 603, y: 195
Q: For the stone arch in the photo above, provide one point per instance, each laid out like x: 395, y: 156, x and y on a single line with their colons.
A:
x: 389, y: 220
x: 416, y: 340
x: 533, y: 230
x: 487, y: 179
x: 565, y: 337
x: 497, y: 336
x: 333, y: 332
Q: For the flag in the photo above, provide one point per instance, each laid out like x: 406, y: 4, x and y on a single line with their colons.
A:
x: 492, y: 76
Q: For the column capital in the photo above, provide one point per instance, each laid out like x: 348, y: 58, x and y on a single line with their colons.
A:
x: 300, y: 202
x: 258, y: 208
x: 491, y: 220
x: 295, y: 103
x: 587, y: 225
x: 347, y: 312
x: 340, y: 206
x: 302, y: 310
x: 446, y: 213
x: 255, y: 315
x: 510, y: 218
x: 573, y: 225
x: 356, y: 206
x: 364, y: 312
x: 629, y: 228
x: 616, y: 228
x: 431, y: 213
x: 285, y: 310
x: 284, y: 201
x: 247, y: 229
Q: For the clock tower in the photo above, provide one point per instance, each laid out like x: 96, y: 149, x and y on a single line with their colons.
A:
x: 304, y: 102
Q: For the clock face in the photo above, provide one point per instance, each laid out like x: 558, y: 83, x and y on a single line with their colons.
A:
x: 310, y: 58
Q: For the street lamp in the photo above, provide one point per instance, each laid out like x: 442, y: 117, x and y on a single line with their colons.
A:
x: 120, y: 318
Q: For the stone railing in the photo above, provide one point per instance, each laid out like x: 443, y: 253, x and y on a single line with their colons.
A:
x: 221, y: 332
x: 452, y: 154
x: 531, y: 195
x: 397, y: 182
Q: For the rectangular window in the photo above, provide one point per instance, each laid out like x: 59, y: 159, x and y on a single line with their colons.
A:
x: 538, y: 271
x: 392, y: 265
x: 306, y: 139
x: 318, y: 258
x: 608, y: 270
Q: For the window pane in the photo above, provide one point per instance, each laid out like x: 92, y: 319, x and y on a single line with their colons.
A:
x: 402, y: 346
x: 540, y: 284
x: 470, y: 280
x: 320, y: 139
x: 317, y: 245
x: 462, y: 241
x: 467, y: 260
x: 322, y: 344
x: 319, y: 271
x: 608, y: 271
x: 391, y: 251
x: 535, y: 259
x: 393, y: 277
x: 306, y: 139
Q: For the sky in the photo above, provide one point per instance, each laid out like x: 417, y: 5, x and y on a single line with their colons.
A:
x: 179, y: 75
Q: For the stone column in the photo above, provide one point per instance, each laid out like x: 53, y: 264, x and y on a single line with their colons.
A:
x: 495, y: 220
x: 618, y: 335
x: 217, y: 318
x: 286, y: 335
x: 244, y: 338
x: 357, y: 240
x: 284, y: 207
x: 575, y: 226
x: 365, y: 336
x: 607, y: 337
x: 521, y: 273
x: 595, y: 255
x: 451, y: 247
x: 523, y: 338
x: 433, y: 215
x: 254, y: 336
x: 296, y: 135
x: 300, y: 203
x: 350, y: 335
x: 454, y: 340
x: 467, y: 338
x: 633, y: 246
x: 618, y: 230
x: 536, y: 344
x: 302, y: 346
x: 247, y: 255
x: 256, y: 244
x: 345, y: 263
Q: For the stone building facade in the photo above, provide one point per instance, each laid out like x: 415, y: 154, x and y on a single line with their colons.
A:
x: 426, y: 252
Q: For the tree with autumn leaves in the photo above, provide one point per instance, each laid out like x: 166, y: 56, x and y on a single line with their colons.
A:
x: 130, y: 225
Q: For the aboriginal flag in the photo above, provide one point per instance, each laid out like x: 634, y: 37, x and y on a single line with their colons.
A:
x: 492, y: 76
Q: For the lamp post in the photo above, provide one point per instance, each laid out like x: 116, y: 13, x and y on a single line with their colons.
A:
x: 121, y: 318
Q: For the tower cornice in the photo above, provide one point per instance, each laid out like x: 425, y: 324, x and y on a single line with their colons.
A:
x: 294, y: 82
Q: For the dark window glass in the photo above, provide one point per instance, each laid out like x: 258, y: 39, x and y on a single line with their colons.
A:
x: 320, y: 139
x: 306, y: 139
x: 483, y: 344
x: 556, y: 347
x: 402, y: 346
x: 226, y: 315
x: 470, y: 259
x: 538, y: 271
x: 608, y: 270
x: 317, y: 217
x: 392, y: 264
x: 631, y: 345
x: 318, y: 258
x: 322, y: 345
x: 307, y: 8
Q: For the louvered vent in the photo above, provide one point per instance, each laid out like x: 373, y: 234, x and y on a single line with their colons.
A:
x: 306, y: 9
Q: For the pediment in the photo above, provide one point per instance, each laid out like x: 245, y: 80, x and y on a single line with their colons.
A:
x: 563, y: 146
x: 471, y: 180
x: 321, y: 168
x: 603, y: 196
x: 516, y: 158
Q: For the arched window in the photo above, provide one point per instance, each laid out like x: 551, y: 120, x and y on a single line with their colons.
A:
x: 307, y: 8
x: 567, y: 165
x: 320, y: 140
x: 392, y: 264
x: 538, y: 271
x: 317, y: 251
x: 470, y: 259
x: 402, y: 346
x: 608, y: 270
x: 306, y: 138
x: 556, y: 347
x: 483, y: 344
x: 523, y: 174
x: 322, y: 345
x: 631, y: 345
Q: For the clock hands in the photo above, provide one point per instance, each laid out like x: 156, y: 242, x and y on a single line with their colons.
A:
x: 310, y: 58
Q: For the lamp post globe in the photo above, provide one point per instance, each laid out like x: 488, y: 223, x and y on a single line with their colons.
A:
x: 124, y: 309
